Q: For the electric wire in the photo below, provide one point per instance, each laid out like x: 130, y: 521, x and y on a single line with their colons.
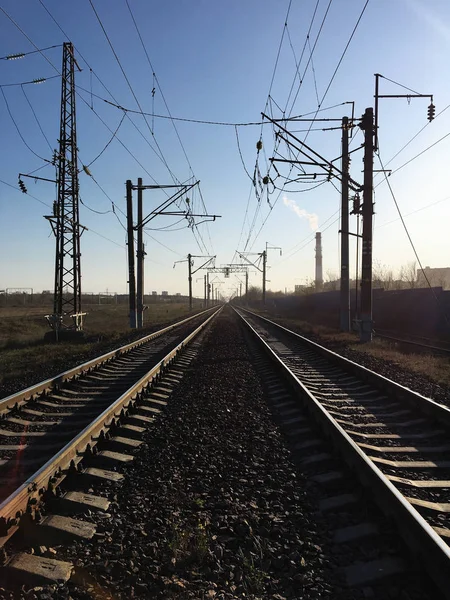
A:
x: 160, y: 155
x: 414, y: 212
x: 37, y: 81
x: 14, y: 187
x: 23, y: 54
x: 98, y: 116
x: 155, y: 78
x: 18, y: 130
x: 36, y: 118
x: 108, y: 143
x: 90, y: 106
x: 301, y: 57
x: 407, y: 231
x: 328, y: 86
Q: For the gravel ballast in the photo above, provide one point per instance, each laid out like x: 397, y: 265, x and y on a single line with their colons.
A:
x: 212, y: 506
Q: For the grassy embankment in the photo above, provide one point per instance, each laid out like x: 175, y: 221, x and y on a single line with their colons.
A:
x: 22, y: 329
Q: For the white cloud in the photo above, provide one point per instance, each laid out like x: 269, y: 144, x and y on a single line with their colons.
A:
x: 312, y: 218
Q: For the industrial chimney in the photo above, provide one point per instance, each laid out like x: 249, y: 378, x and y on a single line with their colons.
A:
x: 319, y: 271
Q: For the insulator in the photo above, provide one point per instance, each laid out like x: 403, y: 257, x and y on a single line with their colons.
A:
x: 431, y: 112
x: 22, y: 187
x: 15, y: 56
x: 259, y: 145
x: 39, y: 80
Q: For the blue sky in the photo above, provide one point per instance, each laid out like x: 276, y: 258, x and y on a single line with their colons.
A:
x: 214, y: 61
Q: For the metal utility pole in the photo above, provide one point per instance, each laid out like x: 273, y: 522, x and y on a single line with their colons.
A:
x: 367, y: 125
x: 205, y: 277
x: 189, y: 259
x: 264, y: 262
x: 246, y: 287
x: 140, y: 260
x: 208, y: 288
x: 130, y: 243
x: 345, y: 259
x: 65, y: 219
x: 190, y: 263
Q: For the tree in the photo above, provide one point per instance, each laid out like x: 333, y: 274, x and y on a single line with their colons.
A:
x: 408, y: 274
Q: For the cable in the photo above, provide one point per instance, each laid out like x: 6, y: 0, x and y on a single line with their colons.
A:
x: 97, y: 212
x: 159, y: 86
x: 160, y: 156
x: 14, y: 187
x: 414, y: 212
x: 18, y: 130
x: 329, y: 84
x: 345, y: 49
x: 109, y: 141
x: 37, y: 81
x: 311, y: 55
x: 417, y: 155
x: 36, y: 118
x: 314, y: 73
x: 240, y: 154
x: 23, y: 54
x: 297, y: 72
x: 407, y: 232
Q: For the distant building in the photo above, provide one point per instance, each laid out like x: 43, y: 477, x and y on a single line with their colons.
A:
x: 154, y: 293
x: 437, y: 277
x: 164, y: 293
x: 178, y: 294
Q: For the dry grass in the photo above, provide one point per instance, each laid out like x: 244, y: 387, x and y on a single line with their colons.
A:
x: 22, y: 330
x: 436, y: 368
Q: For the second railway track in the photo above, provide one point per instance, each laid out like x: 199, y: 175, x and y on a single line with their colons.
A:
x: 396, y: 439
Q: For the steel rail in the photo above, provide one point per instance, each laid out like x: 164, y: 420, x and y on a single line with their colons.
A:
x: 433, y: 409
x: 18, y: 398
x: 434, y: 349
x: 28, y: 493
x: 422, y: 540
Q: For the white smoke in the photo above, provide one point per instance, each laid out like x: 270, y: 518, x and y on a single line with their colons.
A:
x: 312, y: 218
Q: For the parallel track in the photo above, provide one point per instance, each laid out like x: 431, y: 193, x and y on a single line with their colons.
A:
x: 56, y: 423
x: 395, y: 439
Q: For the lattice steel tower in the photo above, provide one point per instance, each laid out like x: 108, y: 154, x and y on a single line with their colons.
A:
x: 65, y: 219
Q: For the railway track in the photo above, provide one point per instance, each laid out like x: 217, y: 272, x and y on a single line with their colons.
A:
x: 318, y: 399
x: 395, y: 439
x: 47, y: 430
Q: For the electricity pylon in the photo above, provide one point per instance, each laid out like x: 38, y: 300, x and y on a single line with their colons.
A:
x: 65, y: 219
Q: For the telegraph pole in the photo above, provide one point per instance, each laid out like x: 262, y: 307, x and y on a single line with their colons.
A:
x: 130, y: 243
x: 345, y: 263
x: 140, y: 260
x: 189, y: 256
x: 208, y: 287
x: 367, y: 125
